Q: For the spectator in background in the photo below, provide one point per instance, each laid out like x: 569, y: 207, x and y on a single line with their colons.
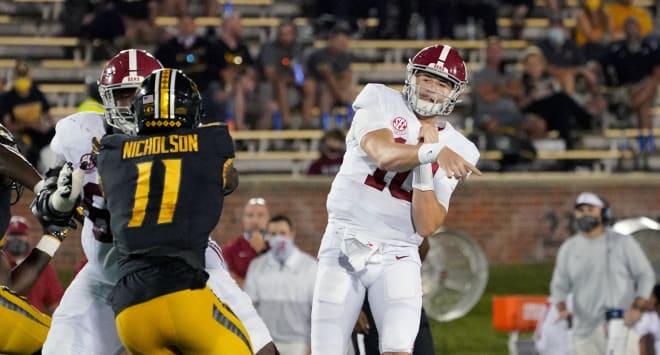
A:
x: 632, y: 66
x: 563, y: 57
x: 539, y: 95
x: 252, y: 110
x: 328, y: 78
x: 521, y: 9
x: 593, y: 30
x: 281, y: 65
x: 104, y: 29
x: 620, y: 10
x: 138, y: 21
x: 496, y: 114
x: 240, y: 251
x: 281, y: 285
x: 189, y: 52
x: 232, y: 57
x: 25, y: 112
x: 648, y: 327
x: 332, y: 149
x: 47, y: 291
x: 494, y: 109
x: 609, y: 276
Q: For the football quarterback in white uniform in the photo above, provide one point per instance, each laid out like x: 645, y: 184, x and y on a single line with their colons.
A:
x: 84, y: 322
x: 401, y: 165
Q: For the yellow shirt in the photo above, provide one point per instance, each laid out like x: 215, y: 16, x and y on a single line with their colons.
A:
x: 581, y: 38
x: 90, y: 105
x: 619, y: 13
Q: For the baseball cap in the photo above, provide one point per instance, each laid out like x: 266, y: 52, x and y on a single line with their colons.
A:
x: 589, y: 198
x: 18, y: 226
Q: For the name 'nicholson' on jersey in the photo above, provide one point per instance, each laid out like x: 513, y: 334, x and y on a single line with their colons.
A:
x: 175, y: 143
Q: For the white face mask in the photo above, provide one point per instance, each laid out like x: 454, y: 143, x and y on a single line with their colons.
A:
x: 281, y: 247
x: 556, y: 36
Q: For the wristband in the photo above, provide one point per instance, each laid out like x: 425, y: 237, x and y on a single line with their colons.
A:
x: 423, y: 177
x: 48, y: 244
x: 428, y: 153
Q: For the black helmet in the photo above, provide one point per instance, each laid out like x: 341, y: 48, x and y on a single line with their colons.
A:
x: 167, y: 100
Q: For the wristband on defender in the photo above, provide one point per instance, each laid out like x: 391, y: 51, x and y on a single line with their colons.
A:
x: 423, y: 177
x: 48, y: 244
x: 428, y: 152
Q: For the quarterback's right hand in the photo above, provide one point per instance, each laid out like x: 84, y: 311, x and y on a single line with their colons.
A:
x: 57, y: 197
x: 454, y: 165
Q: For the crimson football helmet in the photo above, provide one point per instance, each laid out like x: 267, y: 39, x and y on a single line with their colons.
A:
x: 124, y: 71
x: 442, y: 61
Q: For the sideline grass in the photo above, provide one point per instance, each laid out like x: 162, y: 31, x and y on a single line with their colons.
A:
x: 474, y: 333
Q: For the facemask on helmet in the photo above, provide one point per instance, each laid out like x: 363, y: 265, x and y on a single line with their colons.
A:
x: 121, y: 75
x: 440, y: 61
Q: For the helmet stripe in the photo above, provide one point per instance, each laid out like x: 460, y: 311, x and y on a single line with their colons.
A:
x: 172, y: 86
x: 157, y: 94
x: 132, y: 62
x: 444, y: 53
x: 165, y: 93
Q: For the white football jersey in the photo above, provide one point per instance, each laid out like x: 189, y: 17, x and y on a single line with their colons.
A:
x: 374, y: 202
x: 73, y: 139
x: 650, y: 324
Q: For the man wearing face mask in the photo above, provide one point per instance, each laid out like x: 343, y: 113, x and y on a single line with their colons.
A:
x: 564, y: 57
x: 47, y: 291
x: 24, y: 111
x: 281, y: 285
x: 610, y: 279
x: 239, y: 252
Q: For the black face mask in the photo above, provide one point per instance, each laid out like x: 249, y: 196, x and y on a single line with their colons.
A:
x: 587, y: 224
x: 17, y: 248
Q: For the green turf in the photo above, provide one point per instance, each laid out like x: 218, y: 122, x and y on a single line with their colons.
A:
x: 474, y: 333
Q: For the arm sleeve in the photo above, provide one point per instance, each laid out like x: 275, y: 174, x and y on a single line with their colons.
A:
x: 640, y: 268
x: 367, y: 120
x: 445, y: 187
x: 560, y: 286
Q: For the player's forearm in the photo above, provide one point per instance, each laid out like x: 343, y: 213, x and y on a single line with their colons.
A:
x: 24, y: 276
x: 428, y: 214
x: 17, y: 168
x: 389, y: 155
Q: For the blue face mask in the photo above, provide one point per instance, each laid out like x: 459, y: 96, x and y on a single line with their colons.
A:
x: 556, y: 36
x: 281, y: 247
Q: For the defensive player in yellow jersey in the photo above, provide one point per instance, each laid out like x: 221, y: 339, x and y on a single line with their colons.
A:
x: 23, y: 327
x: 164, y: 189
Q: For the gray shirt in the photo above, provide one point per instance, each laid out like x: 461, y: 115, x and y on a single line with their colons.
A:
x: 604, y: 272
x: 282, y: 294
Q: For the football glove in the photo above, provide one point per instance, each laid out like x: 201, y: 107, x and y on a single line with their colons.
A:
x: 58, y: 195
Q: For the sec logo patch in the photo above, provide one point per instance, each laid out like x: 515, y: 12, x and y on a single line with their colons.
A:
x: 400, y: 125
x: 87, y: 163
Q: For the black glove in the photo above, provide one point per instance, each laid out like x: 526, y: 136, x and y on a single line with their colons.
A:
x: 58, y: 196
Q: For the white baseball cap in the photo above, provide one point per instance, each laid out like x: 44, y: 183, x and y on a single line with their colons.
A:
x: 589, y: 198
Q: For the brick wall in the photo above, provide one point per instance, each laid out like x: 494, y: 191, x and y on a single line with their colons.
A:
x: 515, y: 218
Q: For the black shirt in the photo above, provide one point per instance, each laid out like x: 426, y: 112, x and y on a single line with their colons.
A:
x: 623, y: 66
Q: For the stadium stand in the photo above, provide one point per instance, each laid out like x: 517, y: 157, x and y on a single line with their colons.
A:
x: 28, y: 30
